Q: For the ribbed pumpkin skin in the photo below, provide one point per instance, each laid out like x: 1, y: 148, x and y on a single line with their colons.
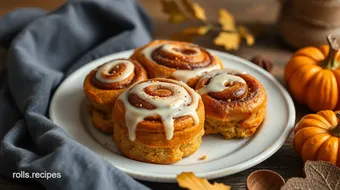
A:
x: 314, y: 141
x: 309, y: 82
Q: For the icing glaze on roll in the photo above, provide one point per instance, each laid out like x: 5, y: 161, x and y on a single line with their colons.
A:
x: 185, y: 75
x: 104, y: 74
x: 219, y: 79
x: 189, y: 60
x: 174, y: 49
x: 176, y: 100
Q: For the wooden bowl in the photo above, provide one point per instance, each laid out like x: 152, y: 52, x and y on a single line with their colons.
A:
x: 264, y: 180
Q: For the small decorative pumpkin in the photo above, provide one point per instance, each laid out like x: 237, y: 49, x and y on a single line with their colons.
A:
x: 313, y: 76
x: 317, y: 137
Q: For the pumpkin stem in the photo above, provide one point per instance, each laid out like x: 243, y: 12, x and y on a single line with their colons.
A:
x: 335, y: 131
x: 330, y: 61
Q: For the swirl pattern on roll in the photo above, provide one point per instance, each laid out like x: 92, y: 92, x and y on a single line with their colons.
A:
x: 159, y: 99
x: 223, y: 85
x: 115, y: 74
x: 234, y: 102
x: 184, y: 57
x: 228, y: 91
x: 178, y: 60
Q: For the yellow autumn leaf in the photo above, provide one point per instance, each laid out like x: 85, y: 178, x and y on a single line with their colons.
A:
x: 244, y: 33
x: 190, y: 33
x: 173, y: 10
x: 226, y: 20
x: 190, y: 181
x: 199, y: 12
x: 181, y: 10
x: 194, y: 9
x: 230, y: 41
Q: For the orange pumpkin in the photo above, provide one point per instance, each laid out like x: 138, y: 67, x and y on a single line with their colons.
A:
x: 317, y: 137
x: 313, y: 76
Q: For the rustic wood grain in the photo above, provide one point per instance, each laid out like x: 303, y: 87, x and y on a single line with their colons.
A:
x: 248, y: 12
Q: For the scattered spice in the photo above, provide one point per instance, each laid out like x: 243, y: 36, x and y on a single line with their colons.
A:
x: 204, y: 157
x: 263, y: 62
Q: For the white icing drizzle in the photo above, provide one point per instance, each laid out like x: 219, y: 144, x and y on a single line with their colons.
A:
x: 186, y: 75
x: 218, y: 79
x: 171, y: 49
x: 107, y: 67
x: 182, y: 102
x: 182, y: 75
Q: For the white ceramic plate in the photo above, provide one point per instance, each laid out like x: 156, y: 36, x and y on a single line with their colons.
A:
x: 224, y: 157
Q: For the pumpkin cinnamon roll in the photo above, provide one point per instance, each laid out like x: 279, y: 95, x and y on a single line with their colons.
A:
x: 176, y: 60
x: 158, y: 121
x: 103, y: 85
x: 235, y: 103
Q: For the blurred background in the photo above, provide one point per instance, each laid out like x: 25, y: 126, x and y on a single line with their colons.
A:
x: 261, y: 10
x: 286, y: 26
x: 264, y: 11
x: 298, y: 22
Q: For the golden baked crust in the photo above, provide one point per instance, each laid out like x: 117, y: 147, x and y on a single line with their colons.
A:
x: 101, y: 120
x: 158, y: 155
x: 103, y: 99
x: 236, y: 129
x: 234, y: 117
x: 169, y: 62
x: 151, y: 144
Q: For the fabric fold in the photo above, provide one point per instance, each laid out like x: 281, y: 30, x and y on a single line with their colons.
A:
x: 45, y: 49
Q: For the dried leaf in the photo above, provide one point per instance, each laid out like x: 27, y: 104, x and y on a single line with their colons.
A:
x: 190, y: 181
x: 226, y: 20
x: 174, y: 11
x: 230, y: 35
x: 181, y: 10
x: 190, y: 33
x: 199, y: 12
x: 319, y: 175
x: 245, y: 34
x: 230, y: 41
x: 194, y: 9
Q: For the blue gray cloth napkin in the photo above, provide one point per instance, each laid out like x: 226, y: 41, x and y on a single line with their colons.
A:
x: 44, y: 49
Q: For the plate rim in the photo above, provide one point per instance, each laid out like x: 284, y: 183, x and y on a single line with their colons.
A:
x: 216, y: 173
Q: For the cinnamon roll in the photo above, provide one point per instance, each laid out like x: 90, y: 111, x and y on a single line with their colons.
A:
x: 176, y: 60
x: 158, y: 121
x: 103, y: 85
x: 235, y: 103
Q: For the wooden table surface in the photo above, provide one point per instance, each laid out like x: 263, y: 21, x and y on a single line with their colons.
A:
x: 284, y: 161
